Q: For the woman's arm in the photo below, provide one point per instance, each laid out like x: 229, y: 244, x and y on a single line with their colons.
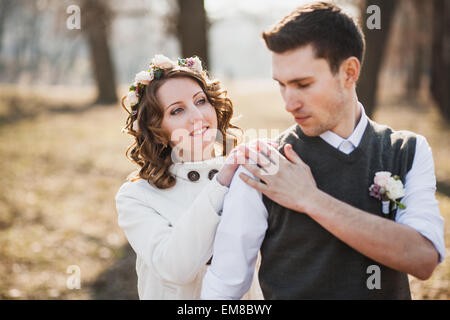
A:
x: 176, y: 252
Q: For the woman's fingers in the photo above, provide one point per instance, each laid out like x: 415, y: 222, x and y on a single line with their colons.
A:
x: 269, y: 151
x: 258, y: 158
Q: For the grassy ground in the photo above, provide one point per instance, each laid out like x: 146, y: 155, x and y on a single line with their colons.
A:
x: 63, y: 162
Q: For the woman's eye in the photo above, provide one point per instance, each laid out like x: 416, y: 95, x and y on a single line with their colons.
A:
x: 201, y: 101
x: 176, y: 111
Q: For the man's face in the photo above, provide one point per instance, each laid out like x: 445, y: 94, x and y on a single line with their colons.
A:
x: 312, y: 94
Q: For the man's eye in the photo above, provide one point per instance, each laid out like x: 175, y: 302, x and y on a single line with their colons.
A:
x: 303, y: 86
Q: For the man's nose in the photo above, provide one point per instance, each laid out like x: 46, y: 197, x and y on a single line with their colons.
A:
x: 292, y: 100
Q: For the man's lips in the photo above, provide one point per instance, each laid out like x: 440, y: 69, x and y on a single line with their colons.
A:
x: 301, y: 119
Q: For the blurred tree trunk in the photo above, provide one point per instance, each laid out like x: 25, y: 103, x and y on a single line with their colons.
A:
x: 192, y: 29
x: 376, y: 42
x: 5, y: 5
x: 96, y: 27
x: 415, y: 75
x: 440, y: 57
x: 419, y: 39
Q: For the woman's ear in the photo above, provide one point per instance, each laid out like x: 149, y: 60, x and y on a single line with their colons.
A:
x: 350, y: 70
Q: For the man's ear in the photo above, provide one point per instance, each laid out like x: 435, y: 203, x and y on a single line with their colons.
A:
x: 350, y: 70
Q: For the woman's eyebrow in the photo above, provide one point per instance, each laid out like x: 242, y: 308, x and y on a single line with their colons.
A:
x: 197, y: 94
x: 172, y: 104
x: 180, y: 101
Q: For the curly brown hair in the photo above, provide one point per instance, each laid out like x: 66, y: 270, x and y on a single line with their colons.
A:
x: 151, y: 149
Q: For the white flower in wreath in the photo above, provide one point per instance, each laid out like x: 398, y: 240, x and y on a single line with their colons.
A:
x: 161, y: 61
x: 197, y: 65
x: 131, y: 99
x: 135, y: 125
x: 144, y: 77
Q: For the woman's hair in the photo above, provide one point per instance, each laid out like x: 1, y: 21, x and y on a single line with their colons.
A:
x: 334, y: 35
x: 151, y: 149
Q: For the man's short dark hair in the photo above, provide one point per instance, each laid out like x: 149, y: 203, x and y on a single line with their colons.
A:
x: 334, y: 35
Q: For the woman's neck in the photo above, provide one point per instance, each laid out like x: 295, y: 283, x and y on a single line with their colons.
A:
x: 207, y: 154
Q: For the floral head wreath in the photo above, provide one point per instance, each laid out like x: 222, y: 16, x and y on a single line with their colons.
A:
x: 156, y: 69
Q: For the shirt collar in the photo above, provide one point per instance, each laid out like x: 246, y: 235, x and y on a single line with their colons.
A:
x: 355, y: 138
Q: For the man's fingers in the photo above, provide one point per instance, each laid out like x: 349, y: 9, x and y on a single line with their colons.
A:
x: 261, y: 187
x: 255, y: 170
x: 291, y: 155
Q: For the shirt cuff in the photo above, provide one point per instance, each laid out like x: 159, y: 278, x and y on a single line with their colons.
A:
x: 216, y: 194
x: 428, y: 231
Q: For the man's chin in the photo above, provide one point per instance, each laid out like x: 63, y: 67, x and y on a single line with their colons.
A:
x: 311, y: 131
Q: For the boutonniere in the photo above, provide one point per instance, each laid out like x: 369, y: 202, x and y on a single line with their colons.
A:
x: 387, y: 188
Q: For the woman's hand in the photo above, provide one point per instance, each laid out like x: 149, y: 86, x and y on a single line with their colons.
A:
x: 238, y: 156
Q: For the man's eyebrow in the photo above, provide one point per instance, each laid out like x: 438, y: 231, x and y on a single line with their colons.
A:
x: 180, y: 101
x: 294, y: 80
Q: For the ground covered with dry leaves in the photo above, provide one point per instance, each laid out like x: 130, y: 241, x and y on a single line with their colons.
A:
x: 63, y: 161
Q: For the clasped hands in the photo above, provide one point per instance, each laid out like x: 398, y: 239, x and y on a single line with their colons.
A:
x: 288, y: 181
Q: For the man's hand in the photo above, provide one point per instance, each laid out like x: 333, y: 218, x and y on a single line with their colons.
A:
x: 288, y: 182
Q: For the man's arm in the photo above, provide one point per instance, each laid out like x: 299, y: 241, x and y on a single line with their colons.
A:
x: 387, y: 242
x: 237, y: 242
x: 408, y: 252
x: 422, y: 209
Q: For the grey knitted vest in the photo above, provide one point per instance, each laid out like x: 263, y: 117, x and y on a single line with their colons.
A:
x: 302, y: 260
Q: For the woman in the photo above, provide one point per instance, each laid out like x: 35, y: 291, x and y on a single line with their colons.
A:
x: 170, y: 210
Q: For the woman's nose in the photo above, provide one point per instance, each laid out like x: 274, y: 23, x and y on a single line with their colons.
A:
x: 196, y: 114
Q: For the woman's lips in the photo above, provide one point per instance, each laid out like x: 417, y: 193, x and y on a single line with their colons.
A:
x: 199, y: 132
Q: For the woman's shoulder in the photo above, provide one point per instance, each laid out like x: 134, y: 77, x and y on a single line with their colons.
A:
x: 138, y: 188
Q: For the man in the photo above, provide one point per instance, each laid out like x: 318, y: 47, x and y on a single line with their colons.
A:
x: 320, y: 233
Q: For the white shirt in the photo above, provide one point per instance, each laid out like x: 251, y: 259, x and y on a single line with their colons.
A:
x: 244, y: 219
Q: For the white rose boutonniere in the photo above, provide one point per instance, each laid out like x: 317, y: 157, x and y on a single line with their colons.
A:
x: 387, y: 188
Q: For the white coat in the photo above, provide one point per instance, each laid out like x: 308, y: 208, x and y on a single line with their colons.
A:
x: 172, y: 230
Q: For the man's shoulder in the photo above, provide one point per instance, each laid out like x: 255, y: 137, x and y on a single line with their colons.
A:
x: 388, y: 134
x: 288, y: 135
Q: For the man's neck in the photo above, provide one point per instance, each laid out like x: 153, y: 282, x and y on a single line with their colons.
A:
x: 350, y: 121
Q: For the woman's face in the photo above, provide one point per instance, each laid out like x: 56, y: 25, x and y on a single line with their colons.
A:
x: 189, y: 118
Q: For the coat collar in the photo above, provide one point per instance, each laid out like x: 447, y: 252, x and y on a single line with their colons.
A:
x: 183, y: 170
